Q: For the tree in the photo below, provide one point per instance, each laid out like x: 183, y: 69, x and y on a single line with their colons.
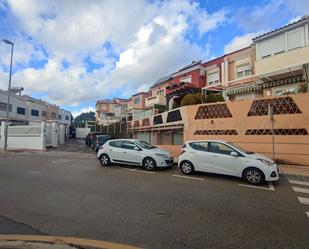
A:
x: 79, y: 121
x: 211, y: 98
x: 192, y: 99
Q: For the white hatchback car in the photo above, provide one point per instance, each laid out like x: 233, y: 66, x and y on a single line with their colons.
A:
x: 221, y: 157
x: 134, y: 152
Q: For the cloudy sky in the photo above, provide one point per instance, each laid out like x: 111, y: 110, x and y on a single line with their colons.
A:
x: 72, y: 52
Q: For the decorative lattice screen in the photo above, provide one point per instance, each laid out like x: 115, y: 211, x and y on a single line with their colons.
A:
x: 297, y: 132
x: 215, y: 132
x: 213, y: 111
x: 284, y: 105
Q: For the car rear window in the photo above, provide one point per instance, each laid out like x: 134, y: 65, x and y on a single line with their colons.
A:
x: 202, y: 146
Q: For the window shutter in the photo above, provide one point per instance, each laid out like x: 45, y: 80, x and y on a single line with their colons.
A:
x: 296, y: 38
x: 243, y: 68
x: 264, y: 48
x: 213, y: 77
x: 278, y: 44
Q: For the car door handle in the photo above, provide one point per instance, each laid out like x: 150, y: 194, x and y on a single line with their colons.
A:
x: 124, y: 152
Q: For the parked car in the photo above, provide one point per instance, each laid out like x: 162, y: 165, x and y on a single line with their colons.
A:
x: 72, y: 131
x: 90, y: 137
x: 134, y: 152
x: 98, y: 141
x: 221, y: 157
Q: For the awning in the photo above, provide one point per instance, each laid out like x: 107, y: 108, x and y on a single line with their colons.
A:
x: 282, y: 82
x: 245, y: 89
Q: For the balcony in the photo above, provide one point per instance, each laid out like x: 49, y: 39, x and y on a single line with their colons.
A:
x: 289, y: 59
x: 159, y: 99
x: 107, y: 118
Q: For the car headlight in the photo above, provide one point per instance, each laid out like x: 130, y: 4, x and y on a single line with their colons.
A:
x: 266, y: 162
x: 161, y: 155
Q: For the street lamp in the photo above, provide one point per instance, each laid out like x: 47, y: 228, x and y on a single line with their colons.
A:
x: 8, y: 102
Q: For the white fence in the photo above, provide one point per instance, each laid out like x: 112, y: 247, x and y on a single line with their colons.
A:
x: 82, y: 132
x: 36, y: 136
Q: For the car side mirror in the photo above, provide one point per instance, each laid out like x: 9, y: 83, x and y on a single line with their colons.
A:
x: 233, y: 153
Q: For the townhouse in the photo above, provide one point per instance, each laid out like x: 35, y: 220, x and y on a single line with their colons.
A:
x: 275, y: 64
x: 110, y: 111
x: 24, y: 109
x: 280, y: 66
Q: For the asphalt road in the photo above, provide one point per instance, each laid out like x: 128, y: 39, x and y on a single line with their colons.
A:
x: 70, y: 194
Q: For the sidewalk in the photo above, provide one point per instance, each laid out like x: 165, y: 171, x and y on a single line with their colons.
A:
x: 294, y: 171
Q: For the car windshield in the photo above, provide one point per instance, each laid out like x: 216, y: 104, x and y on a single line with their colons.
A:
x: 240, y: 149
x: 145, y: 145
x: 104, y: 137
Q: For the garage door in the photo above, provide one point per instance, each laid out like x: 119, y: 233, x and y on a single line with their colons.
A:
x: 144, y: 136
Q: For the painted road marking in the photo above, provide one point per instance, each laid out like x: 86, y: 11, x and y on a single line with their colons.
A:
x: 299, y: 182
x: 136, y: 170
x: 270, y: 186
x: 307, y: 213
x: 67, y: 240
x: 190, y: 177
x: 301, y: 190
x: 303, y: 200
x: 142, y: 171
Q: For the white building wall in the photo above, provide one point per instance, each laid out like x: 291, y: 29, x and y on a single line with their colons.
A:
x: 64, y: 114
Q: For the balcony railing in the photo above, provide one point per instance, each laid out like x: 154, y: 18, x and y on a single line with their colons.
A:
x: 159, y: 99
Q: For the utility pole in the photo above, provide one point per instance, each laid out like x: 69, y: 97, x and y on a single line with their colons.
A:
x: 271, y: 117
x: 8, y: 100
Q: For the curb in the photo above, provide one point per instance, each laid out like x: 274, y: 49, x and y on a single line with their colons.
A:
x: 66, y: 241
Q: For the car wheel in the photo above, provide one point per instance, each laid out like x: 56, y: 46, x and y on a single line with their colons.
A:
x: 149, y: 164
x: 254, y: 176
x: 104, y: 160
x: 186, y: 167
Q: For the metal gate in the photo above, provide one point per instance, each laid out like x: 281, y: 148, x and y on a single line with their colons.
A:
x: 144, y: 136
x: 48, y: 134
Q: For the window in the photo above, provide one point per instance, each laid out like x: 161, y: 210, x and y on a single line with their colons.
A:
x: 34, y: 113
x: 278, y: 44
x: 4, y: 105
x: 187, y: 79
x: 67, y: 118
x: 43, y: 113
x: 243, y: 70
x: 59, y: 117
x: 21, y: 111
x: 213, y: 78
x: 221, y: 148
x: 53, y: 115
x: 202, y: 146
x: 137, y: 100
x: 128, y: 145
x: 160, y: 92
x: 286, y: 90
x: 117, y: 144
x: 265, y: 48
x: 145, y: 145
x: 296, y: 38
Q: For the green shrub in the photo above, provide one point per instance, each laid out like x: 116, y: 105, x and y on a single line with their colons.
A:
x: 192, y: 99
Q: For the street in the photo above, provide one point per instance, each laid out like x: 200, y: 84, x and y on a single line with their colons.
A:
x: 69, y: 194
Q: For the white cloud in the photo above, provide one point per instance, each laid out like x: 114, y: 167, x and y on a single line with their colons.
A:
x: 132, y: 44
x: 239, y: 42
x: 85, y: 109
x: 271, y: 14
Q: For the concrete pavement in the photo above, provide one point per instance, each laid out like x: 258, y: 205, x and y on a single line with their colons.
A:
x: 70, y: 194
